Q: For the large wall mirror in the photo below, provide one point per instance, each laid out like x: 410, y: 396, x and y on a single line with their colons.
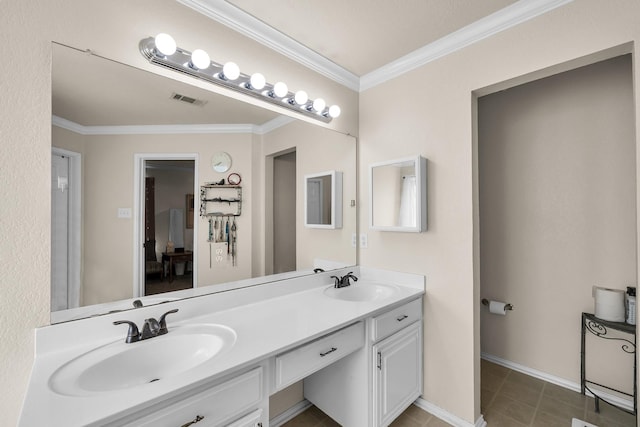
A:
x: 130, y: 152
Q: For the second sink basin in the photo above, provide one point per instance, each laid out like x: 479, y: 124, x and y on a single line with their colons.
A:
x: 361, y: 292
x: 118, y: 365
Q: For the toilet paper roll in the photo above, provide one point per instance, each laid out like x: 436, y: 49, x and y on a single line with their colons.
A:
x: 498, y: 307
x: 609, y: 304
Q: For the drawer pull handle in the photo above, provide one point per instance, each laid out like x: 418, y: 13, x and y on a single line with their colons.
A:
x: 196, y: 420
x: 401, y: 318
x: 328, y: 351
x: 380, y: 361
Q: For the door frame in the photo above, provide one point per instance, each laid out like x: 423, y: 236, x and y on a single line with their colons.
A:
x: 74, y: 260
x: 138, y: 215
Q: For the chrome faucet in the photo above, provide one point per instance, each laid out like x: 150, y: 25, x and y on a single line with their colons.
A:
x: 152, y: 328
x: 344, y: 281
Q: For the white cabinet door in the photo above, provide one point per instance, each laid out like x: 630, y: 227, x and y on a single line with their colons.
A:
x: 398, y: 373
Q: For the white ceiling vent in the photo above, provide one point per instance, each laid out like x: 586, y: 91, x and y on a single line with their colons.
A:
x: 188, y: 99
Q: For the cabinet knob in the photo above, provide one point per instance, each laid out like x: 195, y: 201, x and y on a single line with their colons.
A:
x: 197, y: 419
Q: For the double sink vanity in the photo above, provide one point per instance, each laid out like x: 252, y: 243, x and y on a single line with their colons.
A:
x: 358, y: 349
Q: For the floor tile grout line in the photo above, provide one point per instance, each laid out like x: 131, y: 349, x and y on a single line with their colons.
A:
x: 540, y: 397
x: 504, y: 380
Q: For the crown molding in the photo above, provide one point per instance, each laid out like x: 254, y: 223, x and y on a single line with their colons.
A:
x: 501, y: 20
x: 171, y: 129
x: 274, y: 124
x: 244, y: 23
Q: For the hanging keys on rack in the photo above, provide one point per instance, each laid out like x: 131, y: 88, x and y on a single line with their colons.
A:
x: 234, y: 247
x: 210, y: 240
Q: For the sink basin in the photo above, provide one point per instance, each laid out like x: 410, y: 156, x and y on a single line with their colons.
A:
x: 118, y: 365
x: 361, y: 292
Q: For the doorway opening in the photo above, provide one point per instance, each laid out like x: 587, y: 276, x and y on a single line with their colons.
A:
x: 557, y: 215
x: 66, y: 193
x: 166, y: 235
x: 283, y: 213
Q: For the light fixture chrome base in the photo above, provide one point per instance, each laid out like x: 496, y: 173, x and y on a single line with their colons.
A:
x: 180, y: 61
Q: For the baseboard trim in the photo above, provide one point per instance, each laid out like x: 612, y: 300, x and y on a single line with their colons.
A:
x: 447, y: 416
x: 290, y: 413
x: 616, y: 400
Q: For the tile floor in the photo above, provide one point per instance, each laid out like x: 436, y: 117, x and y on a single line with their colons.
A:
x: 513, y: 399
x: 412, y: 417
x: 509, y: 399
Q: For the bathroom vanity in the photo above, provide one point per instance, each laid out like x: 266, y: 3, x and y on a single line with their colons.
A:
x: 358, y: 350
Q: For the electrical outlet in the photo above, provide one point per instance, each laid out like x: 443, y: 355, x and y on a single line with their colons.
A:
x: 124, y: 212
x: 364, y: 241
x: 354, y: 240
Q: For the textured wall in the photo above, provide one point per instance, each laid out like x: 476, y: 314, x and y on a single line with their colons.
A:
x: 430, y: 111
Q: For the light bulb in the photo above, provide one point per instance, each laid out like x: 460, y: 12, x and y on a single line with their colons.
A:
x: 230, y: 71
x: 165, y: 44
x: 257, y: 81
x: 280, y: 90
x: 200, y: 59
x: 334, y: 111
x: 319, y: 105
x: 301, y: 97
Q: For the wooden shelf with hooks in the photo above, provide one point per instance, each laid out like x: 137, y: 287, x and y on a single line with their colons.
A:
x: 215, y: 197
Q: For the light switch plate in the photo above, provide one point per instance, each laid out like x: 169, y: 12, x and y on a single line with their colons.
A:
x: 364, y: 241
x: 354, y: 240
x: 124, y: 212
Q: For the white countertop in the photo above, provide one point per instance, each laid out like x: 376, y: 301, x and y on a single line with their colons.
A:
x: 264, y: 328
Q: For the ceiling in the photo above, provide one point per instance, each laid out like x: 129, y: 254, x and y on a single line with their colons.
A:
x: 92, y: 91
x: 354, y: 42
x: 363, y: 35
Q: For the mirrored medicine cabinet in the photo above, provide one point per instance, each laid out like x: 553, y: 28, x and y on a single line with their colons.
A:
x: 323, y: 200
x: 398, y: 195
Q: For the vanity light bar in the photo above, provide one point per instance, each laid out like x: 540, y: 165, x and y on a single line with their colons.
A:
x: 162, y: 50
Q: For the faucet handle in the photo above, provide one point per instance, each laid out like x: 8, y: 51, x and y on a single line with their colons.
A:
x: 337, y: 282
x: 346, y: 277
x: 132, y: 334
x: 163, y: 323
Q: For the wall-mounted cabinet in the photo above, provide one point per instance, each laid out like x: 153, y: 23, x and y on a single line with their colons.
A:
x: 398, y: 195
x: 323, y: 200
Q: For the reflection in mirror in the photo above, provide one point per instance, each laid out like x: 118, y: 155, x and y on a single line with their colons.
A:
x: 398, y: 195
x: 107, y: 116
x: 323, y: 200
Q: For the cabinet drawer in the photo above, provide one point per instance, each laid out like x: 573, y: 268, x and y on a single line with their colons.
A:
x: 254, y: 419
x: 309, y: 358
x: 396, y: 319
x: 214, y: 406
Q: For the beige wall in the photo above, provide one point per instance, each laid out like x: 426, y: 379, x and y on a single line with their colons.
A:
x: 557, y: 212
x: 430, y: 111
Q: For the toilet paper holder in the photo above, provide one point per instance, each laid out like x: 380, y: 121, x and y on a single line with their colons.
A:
x: 506, y: 307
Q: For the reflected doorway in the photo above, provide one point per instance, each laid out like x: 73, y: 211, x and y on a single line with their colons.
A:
x: 65, y: 229
x: 167, y: 260
x: 284, y: 212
